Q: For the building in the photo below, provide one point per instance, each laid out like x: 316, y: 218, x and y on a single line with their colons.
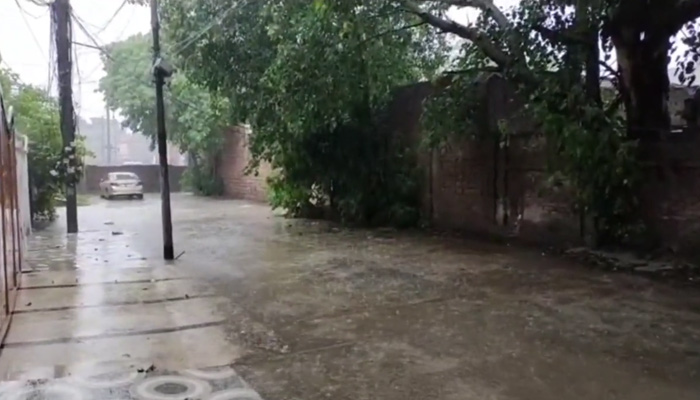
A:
x: 110, y: 144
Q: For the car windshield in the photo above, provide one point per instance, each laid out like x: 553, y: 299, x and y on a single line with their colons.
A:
x: 124, y: 177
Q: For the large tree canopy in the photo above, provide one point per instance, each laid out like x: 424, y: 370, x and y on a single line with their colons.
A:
x: 640, y: 32
x: 558, y: 52
x: 308, y: 76
x: 301, y: 72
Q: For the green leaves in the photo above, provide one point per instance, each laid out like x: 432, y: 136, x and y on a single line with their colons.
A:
x: 49, y: 163
x: 308, y: 77
x: 556, y: 67
x: 195, y: 118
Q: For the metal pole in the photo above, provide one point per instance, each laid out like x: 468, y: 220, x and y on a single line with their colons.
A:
x: 20, y: 228
x: 62, y: 18
x: 168, y: 249
x: 109, y: 137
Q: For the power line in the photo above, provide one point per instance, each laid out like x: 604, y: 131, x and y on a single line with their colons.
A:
x: 131, y: 18
x: 81, y: 26
x: 27, y: 12
x: 52, y: 53
x: 77, y: 99
x: 111, y: 19
x: 192, y: 38
x: 31, y: 31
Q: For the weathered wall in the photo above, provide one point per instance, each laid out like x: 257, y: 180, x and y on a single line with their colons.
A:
x: 477, y: 186
x: 672, y: 193
x: 232, y: 164
x: 149, y: 174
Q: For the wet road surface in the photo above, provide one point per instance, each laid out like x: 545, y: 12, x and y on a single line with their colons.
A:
x: 303, y: 310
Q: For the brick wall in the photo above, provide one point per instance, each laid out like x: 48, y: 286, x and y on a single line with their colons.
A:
x: 671, y: 197
x: 232, y: 164
x: 476, y: 186
x: 149, y: 174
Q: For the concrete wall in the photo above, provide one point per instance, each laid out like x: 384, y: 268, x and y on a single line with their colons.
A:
x: 149, y: 174
x: 25, y: 217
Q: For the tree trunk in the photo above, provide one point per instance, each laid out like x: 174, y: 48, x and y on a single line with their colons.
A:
x: 644, y: 85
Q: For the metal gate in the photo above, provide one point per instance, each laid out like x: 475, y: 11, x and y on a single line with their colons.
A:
x: 12, y: 233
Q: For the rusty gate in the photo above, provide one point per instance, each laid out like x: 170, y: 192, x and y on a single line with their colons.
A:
x: 12, y: 235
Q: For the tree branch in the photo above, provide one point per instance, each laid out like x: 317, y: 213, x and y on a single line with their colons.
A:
x: 559, y: 37
x: 685, y: 11
x: 488, y: 7
x: 610, y: 69
x: 474, y: 35
x: 390, y: 31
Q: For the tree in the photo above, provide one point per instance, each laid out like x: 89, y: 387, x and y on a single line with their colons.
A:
x: 293, y: 67
x: 640, y: 32
x: 37, y: 116
x: 310, y: 77
x: 195, y: 119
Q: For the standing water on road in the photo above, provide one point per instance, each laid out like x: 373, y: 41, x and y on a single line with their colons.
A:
x: 304, y: 310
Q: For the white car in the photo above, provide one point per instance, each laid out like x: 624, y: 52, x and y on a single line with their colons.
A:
x: 121, y: 184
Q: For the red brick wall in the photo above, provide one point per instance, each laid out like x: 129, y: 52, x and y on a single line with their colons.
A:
x: 470, y: 184
x: 232, y: 164
x: 462, y: 187
x: 671, y: 197
x: 477, y: 186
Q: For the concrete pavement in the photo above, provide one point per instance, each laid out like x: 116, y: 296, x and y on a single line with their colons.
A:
x: 96, y: 319
x: 304, y: 310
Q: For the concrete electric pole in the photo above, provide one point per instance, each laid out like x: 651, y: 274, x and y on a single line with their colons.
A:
x: 108, y: 131
x: 61, y: 14
x: 160, y: 71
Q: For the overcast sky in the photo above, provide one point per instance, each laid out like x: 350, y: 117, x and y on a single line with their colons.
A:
x: 25, y: 42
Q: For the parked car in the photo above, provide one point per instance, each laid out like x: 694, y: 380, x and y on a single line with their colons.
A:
x: 121, y: 184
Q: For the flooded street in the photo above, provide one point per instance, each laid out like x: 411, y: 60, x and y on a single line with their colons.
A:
x: 303, y: 310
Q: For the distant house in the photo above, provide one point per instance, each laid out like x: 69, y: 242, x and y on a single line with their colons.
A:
x: 116, y: 145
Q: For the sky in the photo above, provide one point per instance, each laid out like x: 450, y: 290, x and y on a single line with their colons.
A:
x: 25, y: 42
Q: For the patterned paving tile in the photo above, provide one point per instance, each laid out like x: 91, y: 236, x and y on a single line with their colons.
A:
x: 216, y: 383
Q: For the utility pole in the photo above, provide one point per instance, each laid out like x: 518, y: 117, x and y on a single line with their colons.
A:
x: 109, y: 136
x: 160, y: 72
x: 61, y: 14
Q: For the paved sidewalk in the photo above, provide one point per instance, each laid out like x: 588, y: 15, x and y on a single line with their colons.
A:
x: 95, y: 319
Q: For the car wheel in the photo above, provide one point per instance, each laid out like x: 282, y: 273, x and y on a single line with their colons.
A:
x: 139, y: 196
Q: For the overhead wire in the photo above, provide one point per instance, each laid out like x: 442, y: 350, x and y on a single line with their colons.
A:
x: 111, y: 19
x: 77, y: 99
x: 81, y: 25
x: 176, y: 47
x: 22, y: 13
x: 27, y: 12
x: 52, y: 54
x: 183, y: 44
